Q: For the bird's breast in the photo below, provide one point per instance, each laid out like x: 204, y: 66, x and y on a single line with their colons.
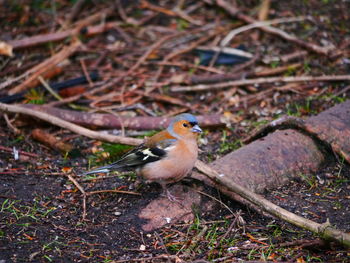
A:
x: 178, y: 162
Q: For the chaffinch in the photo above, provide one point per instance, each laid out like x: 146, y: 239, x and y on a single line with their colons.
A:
x: 166, y: 157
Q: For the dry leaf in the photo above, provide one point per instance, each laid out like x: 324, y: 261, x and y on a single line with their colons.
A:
x: 6, y: 49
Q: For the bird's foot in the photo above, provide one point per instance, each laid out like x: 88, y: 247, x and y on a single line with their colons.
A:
x: 172, y: 198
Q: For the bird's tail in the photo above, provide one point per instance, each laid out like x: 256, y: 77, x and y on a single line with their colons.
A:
x: 104, y: 169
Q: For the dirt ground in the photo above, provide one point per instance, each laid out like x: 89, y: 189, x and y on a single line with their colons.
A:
x: 41, y: 217
x: 41, y: 210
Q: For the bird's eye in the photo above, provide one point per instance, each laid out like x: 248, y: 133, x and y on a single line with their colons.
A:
x: 185, y: 125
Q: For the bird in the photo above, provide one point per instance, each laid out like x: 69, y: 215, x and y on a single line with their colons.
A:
x: 166, y: 157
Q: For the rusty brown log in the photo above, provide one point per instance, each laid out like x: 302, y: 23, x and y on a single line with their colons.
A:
x: 271, y: 161
x: 51, y: 141
x: 105, y: 120
x: 333, y: 128
x: 282, y: 155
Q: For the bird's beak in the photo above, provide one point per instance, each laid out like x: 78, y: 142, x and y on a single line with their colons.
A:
x: 196, y: 128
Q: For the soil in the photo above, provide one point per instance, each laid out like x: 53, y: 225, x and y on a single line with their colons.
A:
x: 41, y: 217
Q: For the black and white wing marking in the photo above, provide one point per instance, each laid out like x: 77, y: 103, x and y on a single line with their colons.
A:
x: 139, y: 156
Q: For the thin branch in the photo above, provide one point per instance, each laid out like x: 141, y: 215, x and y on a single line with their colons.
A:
x: 10, y: 125
x: 59, y: 36
x: 235, y: 12
x: 217, y: 200
x: 188, y: 48
x: 75, y: 10
x: 48, y: 88
x: 151, y: 49
x: 258, y: 24
x: 7, y: 149
x: 245, y: 82
x: 81, y: 189
x: 176, y: 12
x: 102, y: 177
x: 44, y: 67
x: 324, y: 230
x: 112, y: 191
x: 70, y: 126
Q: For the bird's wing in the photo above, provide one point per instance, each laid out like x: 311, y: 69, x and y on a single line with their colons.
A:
x: 138, y: 156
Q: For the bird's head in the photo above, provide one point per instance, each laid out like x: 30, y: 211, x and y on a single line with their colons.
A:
x: 184, y: 126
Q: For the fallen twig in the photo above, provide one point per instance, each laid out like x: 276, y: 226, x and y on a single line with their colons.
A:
x: 59, y: 36
x: 186, y: 65
x: 118, y: 108
x: 188, y: 48
x: 40, y: 39
x: 175, y: 12
x: 45, y: 66
x: 151, y: 49
x: 7, y: 149
x: 264, y: 10
x: 70, y: 126
x: 48, y: 88
x: 219, y: 78
x: 81, y: 189
x: 277, y: 70
x: 324, y: 230
x: 294, y: 55
x: 139, y: 62
x: 303, y: 243
x: 258, y: 24
x: 245, y: 82
x: 175, y: 258
x: 112, y: 191
x: 197, y: 238
x: 103, y: 177
x: 10, y: 125
x: 129, y: 20
x: 235, y: 12
x: 217, y: 200
x: 75, y: 10
x: 164, y: 98
x: 342, y: 91
x: 235, y: 222
x: 60, y: 87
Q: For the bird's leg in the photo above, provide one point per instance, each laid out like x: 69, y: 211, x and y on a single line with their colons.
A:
x: 167, y: 193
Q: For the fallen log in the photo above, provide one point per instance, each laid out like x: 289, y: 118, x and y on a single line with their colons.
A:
x: 295, y: 147
x: 272, y: 161
x: 110, y: 121
x: 51, y: 141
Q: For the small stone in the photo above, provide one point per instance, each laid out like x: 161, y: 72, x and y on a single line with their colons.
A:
x: 142, y: 247
x: 320, y: 180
